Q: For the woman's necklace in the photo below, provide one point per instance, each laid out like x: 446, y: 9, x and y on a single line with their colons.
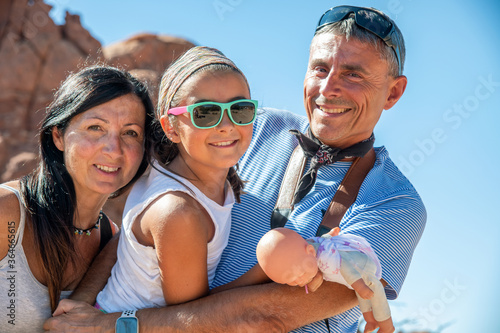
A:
x: 87, y: 232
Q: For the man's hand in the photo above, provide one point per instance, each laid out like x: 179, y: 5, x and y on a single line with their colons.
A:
x: 316, y: 282
x: 334, y: 232
x: 75, y: 316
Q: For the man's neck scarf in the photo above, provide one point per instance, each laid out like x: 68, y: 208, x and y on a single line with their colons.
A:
x: 322, y: 154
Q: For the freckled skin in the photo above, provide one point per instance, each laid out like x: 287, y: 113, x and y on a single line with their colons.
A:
x: 110, y: 136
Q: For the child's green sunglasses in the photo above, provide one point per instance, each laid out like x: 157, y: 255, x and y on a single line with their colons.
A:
x: 209, y: 114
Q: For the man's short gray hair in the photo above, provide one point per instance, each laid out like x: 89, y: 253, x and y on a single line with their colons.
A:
x: 350, y: 29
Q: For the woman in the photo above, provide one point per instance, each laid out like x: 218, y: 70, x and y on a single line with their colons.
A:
x: 92, y: 145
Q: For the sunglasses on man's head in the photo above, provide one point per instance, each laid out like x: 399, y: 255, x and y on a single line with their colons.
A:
x: 209, y: 114
x: 368, y: 19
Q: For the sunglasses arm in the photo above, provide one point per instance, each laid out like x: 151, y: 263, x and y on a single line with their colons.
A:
x: 177, y: 111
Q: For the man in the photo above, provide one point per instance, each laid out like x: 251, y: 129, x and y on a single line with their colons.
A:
x: 354, y: 73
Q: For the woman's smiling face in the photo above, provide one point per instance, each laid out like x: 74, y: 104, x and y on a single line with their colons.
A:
x: 103, y: 146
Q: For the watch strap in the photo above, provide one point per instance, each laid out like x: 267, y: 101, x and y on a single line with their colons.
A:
x: 125, y: 317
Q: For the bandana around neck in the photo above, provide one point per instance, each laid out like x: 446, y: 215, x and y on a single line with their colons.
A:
x: 322, y: 154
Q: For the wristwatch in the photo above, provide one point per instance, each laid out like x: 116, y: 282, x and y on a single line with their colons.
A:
x: 127, y: 323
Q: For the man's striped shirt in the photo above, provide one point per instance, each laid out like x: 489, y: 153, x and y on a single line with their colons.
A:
x: 388, y: 212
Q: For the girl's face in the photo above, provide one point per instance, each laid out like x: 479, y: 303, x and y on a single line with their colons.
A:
x: 103, y: 146
x: 219, y: 147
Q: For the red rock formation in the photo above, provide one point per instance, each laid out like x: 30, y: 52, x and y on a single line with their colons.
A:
x: 20, y: 164
x: 35, y: 56
x: 146, y: 56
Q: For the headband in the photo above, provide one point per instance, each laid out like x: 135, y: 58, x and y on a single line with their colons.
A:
x: 184, y: 67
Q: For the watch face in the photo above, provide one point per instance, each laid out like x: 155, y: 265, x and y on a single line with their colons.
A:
x: 127, y: 325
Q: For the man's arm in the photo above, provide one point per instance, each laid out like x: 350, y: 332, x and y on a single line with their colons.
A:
x: 254, y: 275
x: 262, y: 308
x: 97, y: 275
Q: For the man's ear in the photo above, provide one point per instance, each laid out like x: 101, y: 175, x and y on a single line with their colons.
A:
x: 58, y: 138
x: 396, y: 90
x: 169, y: 130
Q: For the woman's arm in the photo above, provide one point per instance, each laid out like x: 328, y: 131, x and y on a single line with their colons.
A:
x: 9, y: 219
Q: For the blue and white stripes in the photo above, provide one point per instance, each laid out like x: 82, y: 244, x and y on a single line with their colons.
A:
x: 388, y: 211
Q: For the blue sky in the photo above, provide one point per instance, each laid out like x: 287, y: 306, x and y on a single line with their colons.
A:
x: 442, y: 133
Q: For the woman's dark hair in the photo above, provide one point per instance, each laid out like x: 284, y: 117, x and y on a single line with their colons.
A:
x: 195, y: 61
x: 48, y: 192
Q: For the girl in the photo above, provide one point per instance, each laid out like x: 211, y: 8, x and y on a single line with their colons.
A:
x: 51, y: 224
x: 177, y: 217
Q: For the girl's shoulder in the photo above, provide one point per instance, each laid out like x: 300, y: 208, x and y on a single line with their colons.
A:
x: 174, y: 208
x: 174, y: 214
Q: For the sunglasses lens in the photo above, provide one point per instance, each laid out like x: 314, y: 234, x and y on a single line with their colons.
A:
x: 373, y: 22
x: 334, y: 15
x: 368, y: 19
x: 243, y: 113
x: 206, y: 115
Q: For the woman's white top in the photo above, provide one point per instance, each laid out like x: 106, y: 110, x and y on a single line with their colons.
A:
x: 25, y: 302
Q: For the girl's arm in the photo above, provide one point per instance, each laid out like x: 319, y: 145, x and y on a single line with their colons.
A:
x: 180, y: 229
